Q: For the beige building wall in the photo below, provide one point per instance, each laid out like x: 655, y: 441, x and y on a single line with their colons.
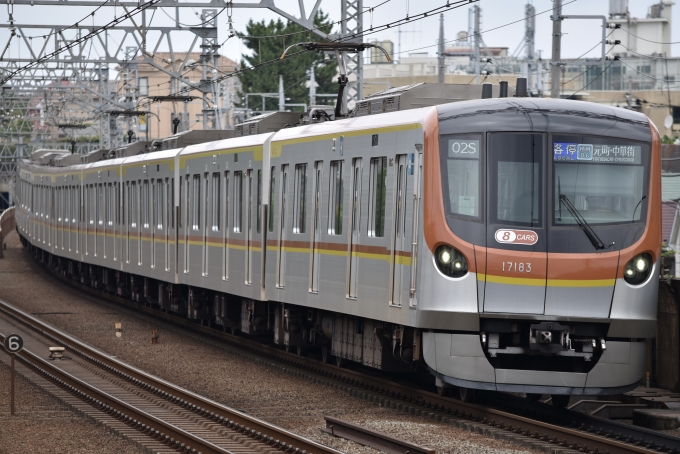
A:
x: 154, y: 82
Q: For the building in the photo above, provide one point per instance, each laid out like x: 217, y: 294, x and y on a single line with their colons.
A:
x: 138, y: 85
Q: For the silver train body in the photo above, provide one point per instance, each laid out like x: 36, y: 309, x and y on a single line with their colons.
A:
x: 326, y: 236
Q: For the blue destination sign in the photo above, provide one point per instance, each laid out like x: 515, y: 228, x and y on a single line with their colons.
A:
x: 596, y: 153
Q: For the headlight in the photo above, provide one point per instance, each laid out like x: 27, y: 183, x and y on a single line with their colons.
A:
x: 450, y: 261
x: 637, y: 270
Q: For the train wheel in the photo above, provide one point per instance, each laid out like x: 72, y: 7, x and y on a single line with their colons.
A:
x: 560, y: 400
x: 444, y: 391
x: 532, y: 397
x: 467, y: 395
x: 325, y: 355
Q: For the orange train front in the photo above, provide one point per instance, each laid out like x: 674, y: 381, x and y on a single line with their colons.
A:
x: 542, y: 225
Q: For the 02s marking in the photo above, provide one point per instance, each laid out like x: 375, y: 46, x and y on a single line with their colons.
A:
x: 522, y: 267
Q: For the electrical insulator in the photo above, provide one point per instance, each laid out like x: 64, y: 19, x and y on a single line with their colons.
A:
x: 613, y: 42
x: 613, y: 25
x: 614, y: 58
x: 485, y: 60
x: 484, y: 73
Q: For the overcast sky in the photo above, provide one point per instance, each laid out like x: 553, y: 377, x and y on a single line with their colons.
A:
x: 579, y: 35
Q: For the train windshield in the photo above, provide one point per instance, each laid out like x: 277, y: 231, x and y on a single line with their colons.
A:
x: 462, y: 165
x: 603, y: 179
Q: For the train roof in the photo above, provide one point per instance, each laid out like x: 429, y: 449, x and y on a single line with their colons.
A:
x: 542, y: 115
x: 343, y: 126
x: 225, y: 144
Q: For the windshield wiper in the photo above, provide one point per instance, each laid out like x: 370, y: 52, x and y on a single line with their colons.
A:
x: 590, y: 233
x: 636, y: 207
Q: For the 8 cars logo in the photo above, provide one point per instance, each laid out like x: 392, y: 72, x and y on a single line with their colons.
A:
x: 527, y: 237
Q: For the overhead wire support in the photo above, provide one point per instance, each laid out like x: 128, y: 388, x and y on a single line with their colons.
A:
x: 80, y: 40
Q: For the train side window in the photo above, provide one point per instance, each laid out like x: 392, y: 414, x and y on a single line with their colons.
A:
x: 171, y: 197
x: 133, y: 214
x: 226, y: 201
x: 238, y: 201
x: 335, y: 196
x: 99, y: 204
x: 67, y: 204
x: 75, y: 204
x: 216, y: 202
x: 299, y: 212
x: 160, y: 203
x: 377, y: 198
x: 271, y: 199
x: 259, y: 200
x: 92, y: 207
x: 116, y: 199
x: 180, y: 214
x: 109, y: 204
x: 196, y: 205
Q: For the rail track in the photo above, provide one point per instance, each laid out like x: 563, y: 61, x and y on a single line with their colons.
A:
x: 172, y: 416
x: 543, y: 423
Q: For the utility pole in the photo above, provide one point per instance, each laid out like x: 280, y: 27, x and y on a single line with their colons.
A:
x: 312, y: 87
x: 556, y: 49
x: 282, y: 96
x: 442, y: 63
x: 529, y: 35
x: 477, y: 13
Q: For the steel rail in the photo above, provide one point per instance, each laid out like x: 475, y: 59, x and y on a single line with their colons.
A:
x: 247, y: 424
x: 367, y: 437
x: 113, y: 406
x: 638, y: 440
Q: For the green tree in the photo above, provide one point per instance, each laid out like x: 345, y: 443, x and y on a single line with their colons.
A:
x: 295, y: 70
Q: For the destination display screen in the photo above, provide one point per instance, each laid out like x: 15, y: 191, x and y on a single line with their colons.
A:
x: 597, y: 153
x: 464, y: 148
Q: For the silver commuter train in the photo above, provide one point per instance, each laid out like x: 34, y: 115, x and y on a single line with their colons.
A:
x: 382, y: 241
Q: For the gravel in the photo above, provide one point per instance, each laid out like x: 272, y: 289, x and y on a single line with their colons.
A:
x: 41, y: 424
x: 293, y: 403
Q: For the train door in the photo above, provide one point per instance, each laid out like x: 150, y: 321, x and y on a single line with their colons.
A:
x: 316, y: 229
x: 128, y: 212
x: 416, y: 168
x: 185, y: 216
x: 204, y: 231
x: 67, y: 213
x: 249, y: 225
x: 154, y: 219
x: 60, y: 217
x: 355, y: 218
x: 164, y: 220
x: 115, y: 219
x: 224, y: 200
x: 77, y: 214
x: 281, y: 259
x: 398, y: 276
x: 516, y: 262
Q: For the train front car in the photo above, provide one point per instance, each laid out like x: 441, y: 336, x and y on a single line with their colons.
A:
x: 543, y: 233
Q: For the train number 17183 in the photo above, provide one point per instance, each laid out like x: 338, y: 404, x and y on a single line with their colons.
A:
x: 522, y: 267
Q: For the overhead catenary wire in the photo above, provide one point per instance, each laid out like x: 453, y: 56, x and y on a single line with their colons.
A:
x: 588, y: 84
x: 648, y: 40
x: 80, y: 40
x: 203, y: 84
x: 71, y: 26
x: 486, y: 31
